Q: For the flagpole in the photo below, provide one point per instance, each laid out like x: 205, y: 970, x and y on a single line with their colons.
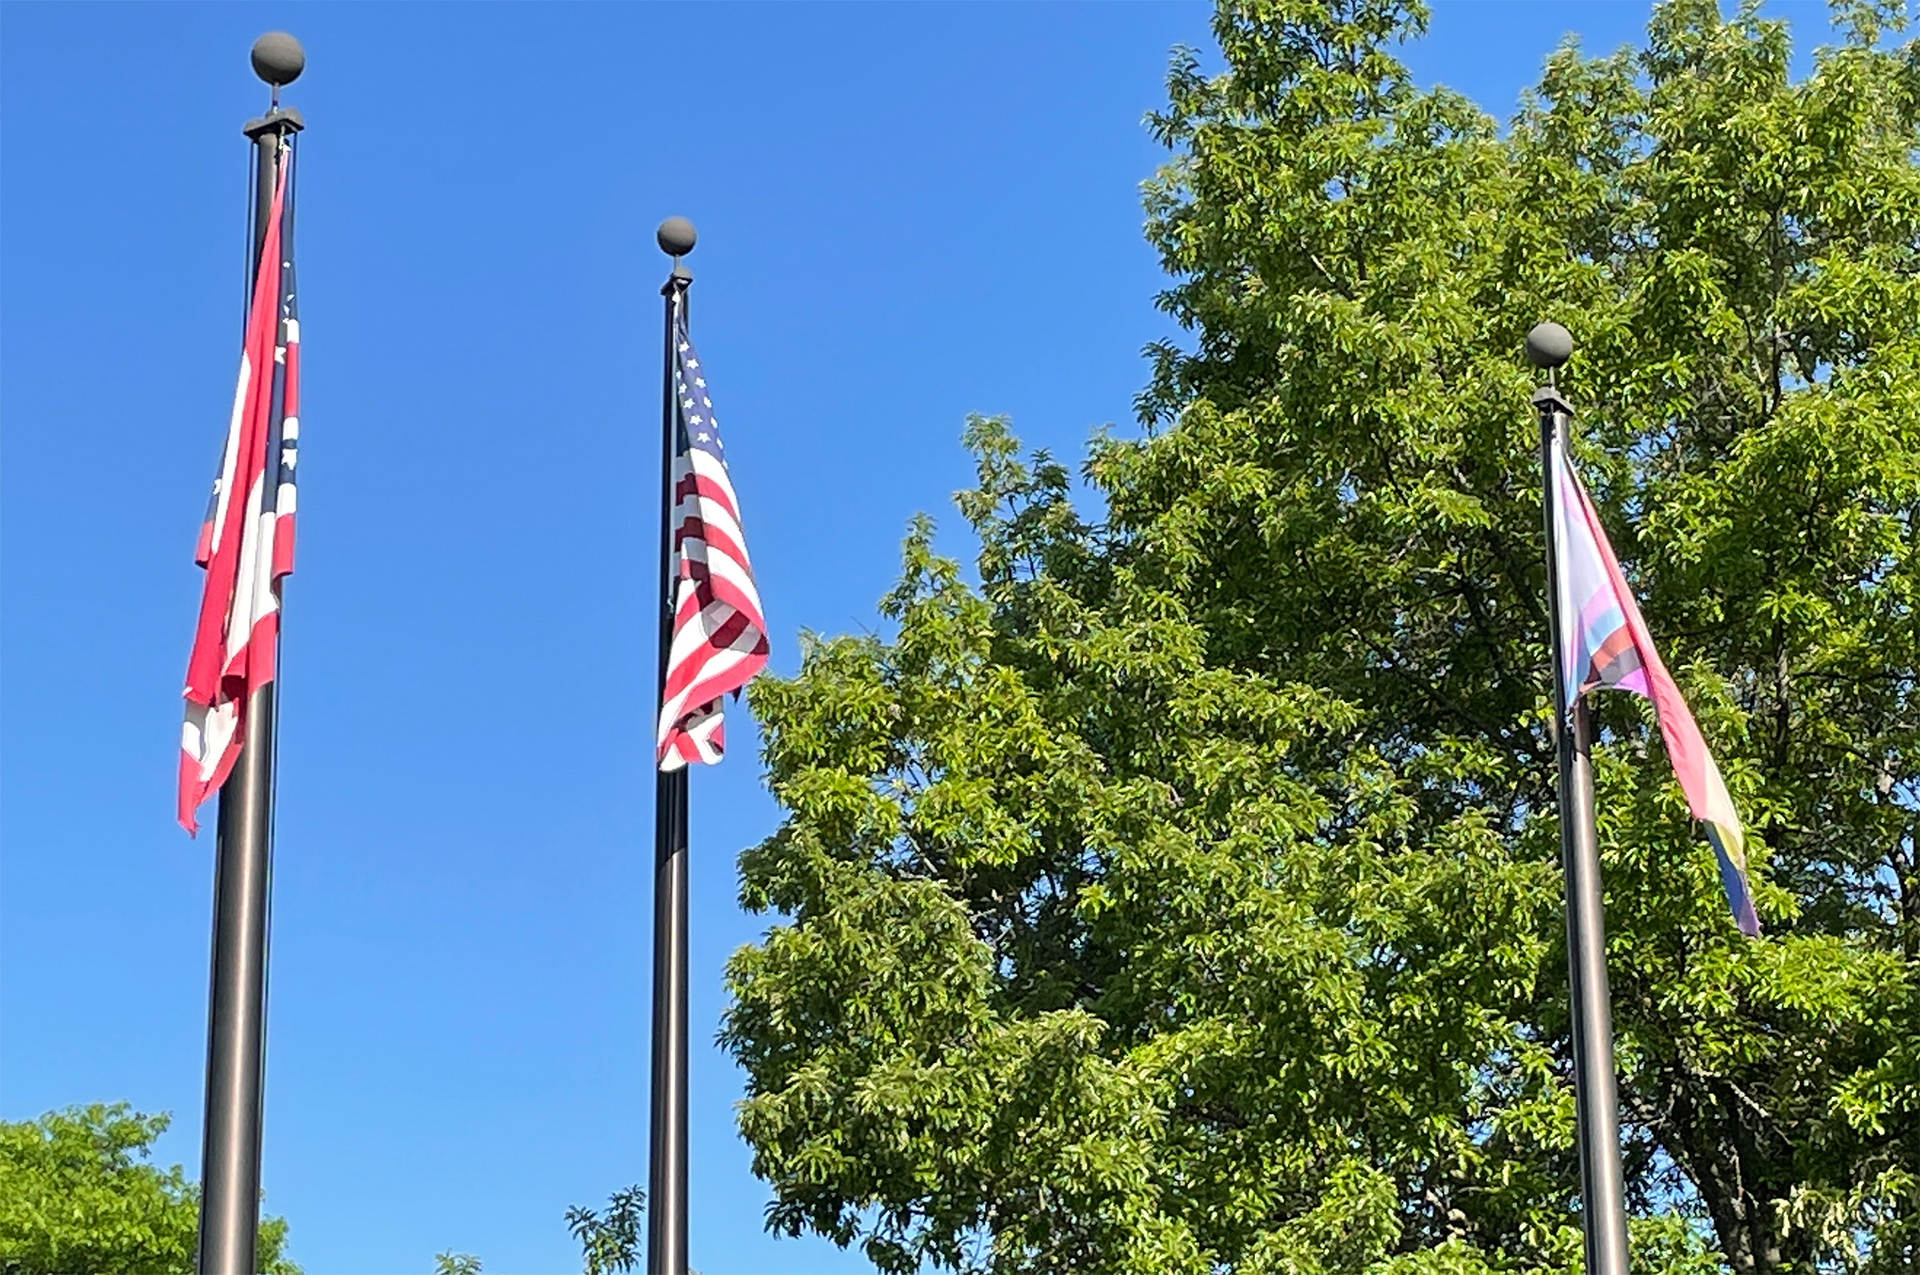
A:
x: 667, y: 1144
x: 1596, y: 1105
x: 237, y: 999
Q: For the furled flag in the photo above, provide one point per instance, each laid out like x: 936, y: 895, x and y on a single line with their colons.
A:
x: 246, y: 542
x: 719, y: 637
x: 1604, y: 642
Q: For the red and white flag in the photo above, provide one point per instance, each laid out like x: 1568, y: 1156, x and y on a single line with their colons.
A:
x: 719, y: 636
x: 246, y: 542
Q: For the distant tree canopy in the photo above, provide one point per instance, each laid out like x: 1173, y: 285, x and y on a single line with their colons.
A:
x: 1184, y: 895
x: 77, y: 1197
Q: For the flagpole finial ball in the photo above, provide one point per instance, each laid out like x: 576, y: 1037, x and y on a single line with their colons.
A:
x: 278, y: 58
x: 675, y: 236
x: 1549, y: 345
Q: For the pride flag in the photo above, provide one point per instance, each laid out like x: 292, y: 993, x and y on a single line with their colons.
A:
x: 1604, y: 642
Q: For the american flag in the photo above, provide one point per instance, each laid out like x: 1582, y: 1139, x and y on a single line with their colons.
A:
x: 719, y: 636
x: 246, y: 541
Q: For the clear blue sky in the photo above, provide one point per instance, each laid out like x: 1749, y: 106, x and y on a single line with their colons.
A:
x: 906, y: 214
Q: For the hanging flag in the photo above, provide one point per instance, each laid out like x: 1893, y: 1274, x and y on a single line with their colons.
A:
x: 246, y: 541
x: 719, y: 636
x: 1605, y: 643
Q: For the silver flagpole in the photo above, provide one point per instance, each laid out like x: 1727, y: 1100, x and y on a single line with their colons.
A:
x: 667, y: 1143
x: 237, y: 998
x: 1596, y: 1105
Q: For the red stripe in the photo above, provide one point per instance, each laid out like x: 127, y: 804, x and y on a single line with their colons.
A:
x: 717, y: 541
x: 682, y: 744
x: 706, y: 487
x: 719, y: 686
x: 191, y: 792
x: 292, y: 399
x: 722, y: 685
x: 708, y: 589
x: 723, y: 638
x: 679, y: 744
x: 263, y: 648
x: 697, y: 687
x: 283, y: 545
x: 682, y: 676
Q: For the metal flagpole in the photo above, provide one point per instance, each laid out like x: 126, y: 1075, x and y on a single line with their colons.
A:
x: 237, y: 1001
x: 667, y: 1147
x: 1596, y: 1106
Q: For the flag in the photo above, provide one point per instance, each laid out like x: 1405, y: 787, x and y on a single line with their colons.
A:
x: 246, y: 540
x: 1604, y: 642
x: 719, y: 638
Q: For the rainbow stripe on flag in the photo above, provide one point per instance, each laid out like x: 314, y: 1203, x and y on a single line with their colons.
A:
x: 1604, y: 642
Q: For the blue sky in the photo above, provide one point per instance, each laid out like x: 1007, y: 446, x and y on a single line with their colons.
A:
x: 906, y: 214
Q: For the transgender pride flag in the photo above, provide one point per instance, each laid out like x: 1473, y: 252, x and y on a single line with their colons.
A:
x: 1604, y: 642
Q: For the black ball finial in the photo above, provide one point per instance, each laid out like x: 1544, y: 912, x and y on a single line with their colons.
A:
x: 278, y: 58
x: 675, y: 236
x: 1549, y: 345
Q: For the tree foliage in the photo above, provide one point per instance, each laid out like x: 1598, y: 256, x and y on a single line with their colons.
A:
x: 77, y: 1197
x: 610, y: 1241
x: 1183, y: 895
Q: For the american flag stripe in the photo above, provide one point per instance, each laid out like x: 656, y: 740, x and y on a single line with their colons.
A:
x: 719, y: 638
x: 246, y: 541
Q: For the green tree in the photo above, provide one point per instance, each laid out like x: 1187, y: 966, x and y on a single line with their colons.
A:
x: 1183, y: 896
x: 77, y: 1197
x: 452, y: 1263
x: 610, y: 1241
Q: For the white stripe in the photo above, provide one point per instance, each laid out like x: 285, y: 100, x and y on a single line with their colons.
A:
x: 697, y: 633
x: 714, y: 515
x: 718, y: 563
x: 230, y: 458
x: 707, y: 466
x: 719, y: 660
x: 704, y: 466
x: 206, y: 734
x: 677, y: 705
x: 700, y: 729
x: 265, y: 600
x: 253, y: 579
x: 701, y: 465
x: 722, y: 658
